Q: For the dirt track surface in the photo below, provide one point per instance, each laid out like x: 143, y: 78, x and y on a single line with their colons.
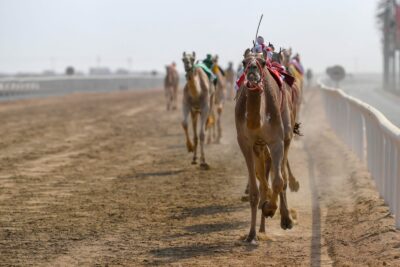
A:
x: 104, y: 179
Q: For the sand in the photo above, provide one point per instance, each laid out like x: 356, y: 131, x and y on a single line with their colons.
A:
x: 104, y: 179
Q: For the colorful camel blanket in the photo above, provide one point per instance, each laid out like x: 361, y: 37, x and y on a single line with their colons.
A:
x: 298, y: 66
x: 207, y: 70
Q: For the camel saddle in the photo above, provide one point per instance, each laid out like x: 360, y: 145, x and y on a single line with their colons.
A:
x: 206, y: 69
x: 279, y: 74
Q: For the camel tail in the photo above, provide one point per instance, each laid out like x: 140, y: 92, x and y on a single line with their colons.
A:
x: 296, y: 129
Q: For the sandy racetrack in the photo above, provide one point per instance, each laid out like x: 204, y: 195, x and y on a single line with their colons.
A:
x: 104, y: 179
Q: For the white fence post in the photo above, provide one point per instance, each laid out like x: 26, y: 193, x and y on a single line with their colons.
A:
x: 397, y: 192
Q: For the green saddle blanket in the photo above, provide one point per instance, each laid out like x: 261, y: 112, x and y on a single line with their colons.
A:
x: 207, y: 70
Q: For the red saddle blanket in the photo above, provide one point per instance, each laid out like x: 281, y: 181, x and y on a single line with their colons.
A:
x: 279, y: 73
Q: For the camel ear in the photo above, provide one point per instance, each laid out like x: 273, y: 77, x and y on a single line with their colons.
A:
x: 247, y: 52
x: 194, y: 54
x: 184, y: 54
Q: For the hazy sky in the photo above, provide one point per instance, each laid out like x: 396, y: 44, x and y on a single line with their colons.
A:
x: 46, y: 34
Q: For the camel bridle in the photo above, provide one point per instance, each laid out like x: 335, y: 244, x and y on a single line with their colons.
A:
x: 258, y: 85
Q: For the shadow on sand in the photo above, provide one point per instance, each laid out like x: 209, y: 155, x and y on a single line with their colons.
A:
x: 207, y: 210
x: 157, y: 174
x: 173, y: 254
x: 210, y: 228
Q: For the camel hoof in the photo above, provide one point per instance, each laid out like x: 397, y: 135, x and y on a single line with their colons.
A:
x: 286, y: 222
x: 194, y: 162
x: 251, y: 239
x: 262, y: 230
x: 294, y: 185
x: 268, y: 209
x: 204, y: 166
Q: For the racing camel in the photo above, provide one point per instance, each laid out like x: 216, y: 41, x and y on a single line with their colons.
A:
x: 294, y: 92
x: 264, y: 131
x: 171, y: 84
x: 220, y: 91
x: 230, y: 81
x: 197, y: 100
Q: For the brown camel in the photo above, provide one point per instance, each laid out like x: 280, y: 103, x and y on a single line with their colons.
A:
x: 230, y: 80
x: 294, y: 93
x: 264, y: 131
x: 197, y: 100
x: 286, y: 55
x: 293, y: 97
x: 219, y: 99
x: 171, y: 84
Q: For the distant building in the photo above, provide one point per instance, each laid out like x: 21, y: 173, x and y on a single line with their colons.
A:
x: 99, y: 71
x: 48, y: 73
x: 122, y: 71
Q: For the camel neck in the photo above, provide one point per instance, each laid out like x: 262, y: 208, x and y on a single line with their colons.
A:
x: 253, y: 109
x: 193, y: 83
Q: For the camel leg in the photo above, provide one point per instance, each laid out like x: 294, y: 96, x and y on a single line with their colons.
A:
x: 286, y: 220
x: 260, y: 171
x: 186, y: 110
x: 267, y: 171
x: 210, y: 117
x: 203, y: 120
x: 214, y: 137
x: 211, y: 126
x: 293, y: 183
x: 276, y: 151
x: 254, y: 193
x: 175, y: 98
x: 195, y: 138
x: 262, y: 224
x: 209, y: 135
x: 171, y: 103
x: 219, y: 126
x: 263, y: 185
x: 167, y: 96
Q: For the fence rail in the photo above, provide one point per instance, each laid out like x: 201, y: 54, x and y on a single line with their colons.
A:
x: 374, y: 139
x: 57, y: 85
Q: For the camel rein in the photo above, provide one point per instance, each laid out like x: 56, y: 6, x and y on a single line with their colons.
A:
x: 258, y: 86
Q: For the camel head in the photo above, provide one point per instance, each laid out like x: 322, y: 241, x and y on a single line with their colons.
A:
x: 285, y: 56
x: 254, y: 67
x: 215, y: 59
x: 188, y: 61
x: 278, y: 56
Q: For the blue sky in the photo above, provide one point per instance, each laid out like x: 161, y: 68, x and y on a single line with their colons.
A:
x: 44, y: 34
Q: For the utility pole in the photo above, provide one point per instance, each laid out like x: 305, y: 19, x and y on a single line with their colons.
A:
x: 386, y: 47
